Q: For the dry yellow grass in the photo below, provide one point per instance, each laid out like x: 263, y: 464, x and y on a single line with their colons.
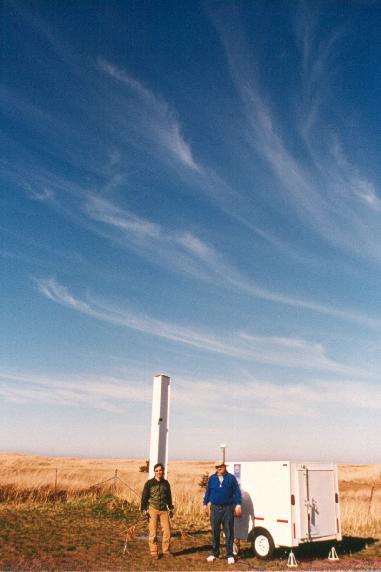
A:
x: 360, y: 499
x: 360, y: 473
x: 26, y: 476
x: 76, y: 473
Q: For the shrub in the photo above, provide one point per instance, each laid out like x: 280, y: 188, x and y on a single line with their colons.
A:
x: 144, y: 468
x: 203, y: 481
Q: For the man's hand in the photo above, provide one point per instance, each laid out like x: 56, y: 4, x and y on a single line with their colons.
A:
x: 206, y: 509
x: 238, y: 510
x: 146, y: 514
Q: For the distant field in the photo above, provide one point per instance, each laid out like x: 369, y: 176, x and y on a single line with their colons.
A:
x: 24, y: 477
x: 61, y: 513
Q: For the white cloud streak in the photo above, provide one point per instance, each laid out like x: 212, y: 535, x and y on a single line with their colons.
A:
x: 254, y: 396
x: 183, y: 250
x: 329, y: 195
x: 159, y: 121
x: 105, y: 393
x: 266, y: 398
x: 179, y: 250
x: 270, y: 350
x: 191, y: 254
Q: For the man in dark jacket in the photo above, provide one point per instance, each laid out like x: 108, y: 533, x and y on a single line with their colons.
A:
x: 157, y: 505
x: 224, y: 495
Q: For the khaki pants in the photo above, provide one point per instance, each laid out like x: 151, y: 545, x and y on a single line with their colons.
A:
x: 155, y: 517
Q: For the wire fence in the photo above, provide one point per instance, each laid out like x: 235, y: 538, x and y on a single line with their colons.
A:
x: 55, y: 484
x: 114, y: 481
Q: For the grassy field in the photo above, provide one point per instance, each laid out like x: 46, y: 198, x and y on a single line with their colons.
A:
x: 73, y: 514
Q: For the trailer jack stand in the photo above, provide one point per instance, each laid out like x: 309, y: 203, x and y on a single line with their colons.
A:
x: 291, y: 562
x: 333, y: 554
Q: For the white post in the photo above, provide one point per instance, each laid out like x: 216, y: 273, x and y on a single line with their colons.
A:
x: 159, y: 422
x: 223, y: 447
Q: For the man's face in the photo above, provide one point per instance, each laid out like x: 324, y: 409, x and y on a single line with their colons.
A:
x: 159, y: 473
x: 221, y: 470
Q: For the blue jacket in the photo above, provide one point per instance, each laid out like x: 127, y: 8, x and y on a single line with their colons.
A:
x: 226, y: 493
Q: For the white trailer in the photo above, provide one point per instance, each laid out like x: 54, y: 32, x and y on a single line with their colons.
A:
x: 285, y: 504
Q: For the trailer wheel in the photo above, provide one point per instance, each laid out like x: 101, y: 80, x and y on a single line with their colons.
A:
x: 263, y: 544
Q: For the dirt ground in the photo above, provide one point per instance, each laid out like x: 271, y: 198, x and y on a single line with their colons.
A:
x: 78, y: 536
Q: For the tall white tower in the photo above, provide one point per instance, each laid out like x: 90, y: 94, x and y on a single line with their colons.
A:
x: 159, y: 422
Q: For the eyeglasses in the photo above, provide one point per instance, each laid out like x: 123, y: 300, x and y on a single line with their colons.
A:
x: 158, y: 470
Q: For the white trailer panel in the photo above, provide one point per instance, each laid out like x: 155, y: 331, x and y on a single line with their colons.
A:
x: 317, y: 517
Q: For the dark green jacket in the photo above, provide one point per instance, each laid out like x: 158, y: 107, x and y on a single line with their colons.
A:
x: 157, y: 494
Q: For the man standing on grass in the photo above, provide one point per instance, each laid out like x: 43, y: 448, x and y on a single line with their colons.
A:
x: 224, y: 495
x: 156, y: 505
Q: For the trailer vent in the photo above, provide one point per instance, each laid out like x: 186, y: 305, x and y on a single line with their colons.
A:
x: 293, y: 500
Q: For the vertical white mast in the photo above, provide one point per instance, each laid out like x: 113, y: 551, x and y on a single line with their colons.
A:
x: 159, y: 422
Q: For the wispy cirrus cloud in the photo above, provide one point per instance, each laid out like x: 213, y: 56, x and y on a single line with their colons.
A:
x: 183, y: 250
x: 350, y: 181
x: 319, y: 49
x: 352, y: 199
x: 104, y: 211
x: 157, y: 120
x: 95, y: 392
x: 154, y: 125
x: 133, y: 116
x: 179, y: 250
x: 264, y: 132
x: 315, y: 182
x: 267, y: 398
x: 291, y: 352
x: 190, y: 254
x: 251, y: 395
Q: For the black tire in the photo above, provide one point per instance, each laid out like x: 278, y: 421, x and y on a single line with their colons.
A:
x: 263, y: 544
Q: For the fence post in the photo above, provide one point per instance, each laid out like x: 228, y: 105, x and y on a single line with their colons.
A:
x: 371, y: 498
x: 55, y: 482
x: 115, y: 479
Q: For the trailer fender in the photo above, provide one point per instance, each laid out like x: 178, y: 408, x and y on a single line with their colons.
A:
x: 263, y: 543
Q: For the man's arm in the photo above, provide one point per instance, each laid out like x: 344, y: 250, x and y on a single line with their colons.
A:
x: 207, y: 493
x: 207, y: 497
x: 236, y: 492
x: 170, y: 503
x: 145, y: 497
x: 237, y: 498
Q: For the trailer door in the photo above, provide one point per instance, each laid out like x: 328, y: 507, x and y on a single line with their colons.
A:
x: 317, y: 503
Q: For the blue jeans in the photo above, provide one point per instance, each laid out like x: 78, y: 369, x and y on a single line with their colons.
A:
x: 222, y: 515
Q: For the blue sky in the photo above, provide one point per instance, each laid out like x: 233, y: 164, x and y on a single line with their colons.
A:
x: 191, y: 190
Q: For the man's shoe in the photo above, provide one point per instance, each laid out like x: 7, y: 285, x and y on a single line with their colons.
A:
x: 167, y: 555
x: 211, y: 558
x: 155, y: 556
x: 231, y: 560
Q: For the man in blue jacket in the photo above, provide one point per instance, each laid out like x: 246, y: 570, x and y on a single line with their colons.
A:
x: 224, y: 496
